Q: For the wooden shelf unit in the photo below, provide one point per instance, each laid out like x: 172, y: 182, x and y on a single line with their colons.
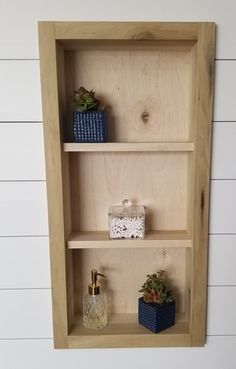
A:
x: 165, y: 69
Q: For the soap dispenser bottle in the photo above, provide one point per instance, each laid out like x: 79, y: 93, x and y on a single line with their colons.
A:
x: 95, y: 304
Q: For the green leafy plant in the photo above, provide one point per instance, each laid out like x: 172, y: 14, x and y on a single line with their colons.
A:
x: 84, y: 100
x: 155, y: 290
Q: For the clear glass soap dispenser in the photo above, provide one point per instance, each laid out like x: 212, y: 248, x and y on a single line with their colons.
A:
x: 95, y: 304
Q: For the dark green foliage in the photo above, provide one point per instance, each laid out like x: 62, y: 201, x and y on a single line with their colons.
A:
x: 155, y: 290
x: 84, y: 100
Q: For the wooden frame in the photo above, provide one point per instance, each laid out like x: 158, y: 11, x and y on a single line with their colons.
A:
x: 69, y: 237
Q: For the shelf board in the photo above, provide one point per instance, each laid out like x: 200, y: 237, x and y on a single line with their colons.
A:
x: 123, y: 330
x: 86, y: 240
x: 128, y: 146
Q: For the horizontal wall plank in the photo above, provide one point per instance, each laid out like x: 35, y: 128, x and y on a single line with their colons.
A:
x: 222, y: 256
x: 222, y: 207
x: 20, y: 40
x: 23, y: 209
x: 20, y: 90
x: 21, y: 151
x: 221, y: 311
x: 219, y: 353
x: 24, y: 262
x: 225, y: 91
x: 224, y: 150
x: 25, y: 314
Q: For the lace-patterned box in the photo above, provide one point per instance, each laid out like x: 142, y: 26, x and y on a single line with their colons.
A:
x: 126, y: 221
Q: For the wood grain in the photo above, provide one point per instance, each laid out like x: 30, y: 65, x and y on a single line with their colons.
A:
x: 120, y: 285
x: 204, y: 99
x: 166, y: 70
x: 53, y: 155
x: 100, y: 180
x: 123, y: 331
x: 126, y: 30
x: 100, y: 239
x: 131, y: 146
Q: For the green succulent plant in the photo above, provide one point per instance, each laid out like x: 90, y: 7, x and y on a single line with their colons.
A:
x: 155, y: 290
x: 84, y: 100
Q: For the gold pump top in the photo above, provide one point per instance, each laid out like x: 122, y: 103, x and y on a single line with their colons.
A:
x: 93, y: 288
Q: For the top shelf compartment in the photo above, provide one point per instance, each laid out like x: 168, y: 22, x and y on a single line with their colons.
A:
x: 132, y: 78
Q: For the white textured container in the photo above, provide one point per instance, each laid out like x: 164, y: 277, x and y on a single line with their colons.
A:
x: 126, y: 221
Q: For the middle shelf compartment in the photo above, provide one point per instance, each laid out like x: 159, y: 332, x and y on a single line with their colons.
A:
x: 160, y: 181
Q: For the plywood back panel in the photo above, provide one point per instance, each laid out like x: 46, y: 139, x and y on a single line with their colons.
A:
x: 155, y: 180
x: 154, y: 77
x: 126, y: 271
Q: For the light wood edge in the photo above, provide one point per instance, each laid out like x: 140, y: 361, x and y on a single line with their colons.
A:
x: 190, y: 181
x: 128, y: 244
x: 66, y: 186
x: 47, y: 50
x: 188, y: 255
x: 127, y: 30
x: 101, y: 240
x: 143, y: 146
x: 130, y: 341
x: 204, y: 102
x: 192, y: 130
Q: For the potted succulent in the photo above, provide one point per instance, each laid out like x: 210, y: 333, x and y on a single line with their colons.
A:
x: 89, y: 120
x: 156, y: 309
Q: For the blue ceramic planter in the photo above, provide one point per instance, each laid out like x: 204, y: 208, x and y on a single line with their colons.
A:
x: 89, y: 126
x: 156, y: 317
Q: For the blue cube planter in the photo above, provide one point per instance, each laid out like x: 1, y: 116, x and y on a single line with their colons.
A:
x: 156, y: 317
x: 89, y: 126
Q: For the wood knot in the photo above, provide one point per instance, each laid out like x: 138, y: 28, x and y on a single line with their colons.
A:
x: 143, y: 36
x: 202, y: 201
x: 145, y: 117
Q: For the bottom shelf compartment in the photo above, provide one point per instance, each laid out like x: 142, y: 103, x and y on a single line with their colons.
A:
x: 126, y: 271
x: 123, y: 330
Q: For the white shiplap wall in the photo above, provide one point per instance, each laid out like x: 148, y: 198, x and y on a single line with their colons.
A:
x: 25, y: 302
